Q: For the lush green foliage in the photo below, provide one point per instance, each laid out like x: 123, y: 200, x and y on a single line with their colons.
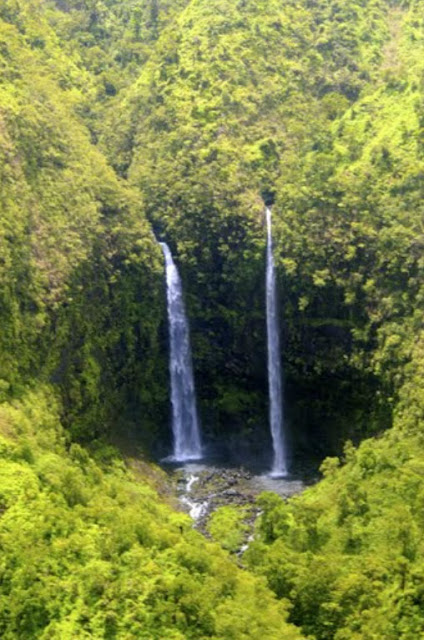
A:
x: 317, y: 106
x: 120, y: 117
x: 204, y: 106
x: 76, y: 251
x: 349, y: 552
x: 223, y: 108
x: 228, y: 527
x: 89, y: 552
x: 354, y: 207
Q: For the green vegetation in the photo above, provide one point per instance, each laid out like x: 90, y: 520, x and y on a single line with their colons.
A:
x: 125, y: 119
x: 75, y: 249
x: 228, y: 527
x: 354, y: 207
x: 231, y: 101
x: 349, y: 552
x: 185, y: 105
x: 304, y: 105
x: 88, y: 552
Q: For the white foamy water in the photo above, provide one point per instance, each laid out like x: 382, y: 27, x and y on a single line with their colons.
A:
x: 185, y: 423
x: 276, y: 414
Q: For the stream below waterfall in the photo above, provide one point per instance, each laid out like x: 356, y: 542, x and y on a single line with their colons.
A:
x: 203, y: 487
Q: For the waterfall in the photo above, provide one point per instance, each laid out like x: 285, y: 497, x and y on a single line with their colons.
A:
x: 185, y: 424
x: 276, y: 417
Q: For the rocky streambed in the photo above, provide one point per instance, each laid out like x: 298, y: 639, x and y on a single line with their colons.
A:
x: 202, y: 489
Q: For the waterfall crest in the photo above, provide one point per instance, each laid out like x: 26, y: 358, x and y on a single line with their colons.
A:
x: 276, y: 409
x: 185, y: 423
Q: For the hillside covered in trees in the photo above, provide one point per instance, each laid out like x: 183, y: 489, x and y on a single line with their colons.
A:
x: 125, y: 122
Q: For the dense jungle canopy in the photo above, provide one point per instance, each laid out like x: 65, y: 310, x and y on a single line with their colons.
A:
x: 127, y: 121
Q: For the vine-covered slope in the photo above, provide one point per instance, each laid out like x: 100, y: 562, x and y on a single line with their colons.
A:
x: 125, y: 119
x: 316, y: 108
x: 348, y: 553
x: 88, y: 550
x: 218, y: 105
x: 78, y: 259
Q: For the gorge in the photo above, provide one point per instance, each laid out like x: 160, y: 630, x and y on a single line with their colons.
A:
x: 185, y: 426
x: 126, y: 121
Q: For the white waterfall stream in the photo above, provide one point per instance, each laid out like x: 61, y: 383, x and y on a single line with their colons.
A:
x: 276, y: 409
x: 185, y: 423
